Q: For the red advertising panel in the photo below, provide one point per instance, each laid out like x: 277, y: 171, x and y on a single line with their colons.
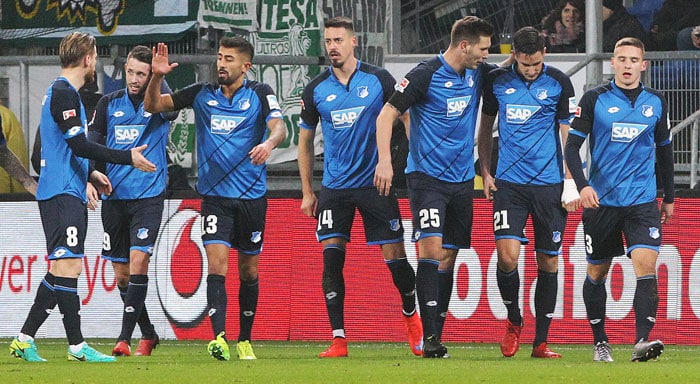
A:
x: 291, y: 305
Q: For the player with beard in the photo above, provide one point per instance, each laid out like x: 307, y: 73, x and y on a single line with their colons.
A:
x: 131, y: 215
x: 62, y: 197
x: 534, y: 103
x: 346, y: 99
x: 231, y: 121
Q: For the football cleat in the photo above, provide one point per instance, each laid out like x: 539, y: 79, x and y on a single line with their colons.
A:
x: 146, y: 346
x: 25, y: 350
x: 602, y: 352
x: 414, y: 327
x: 542, y: 351
x: 89, y: 354
x: 338, y: 348
x: 647, y: 350
x: 245, y: 350
x: 433, y: 348
x: 511, y: 340
x: 218, y: 348
x: 121, y: 349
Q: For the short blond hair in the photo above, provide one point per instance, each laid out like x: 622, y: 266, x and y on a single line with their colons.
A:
x: 74, y: 47
x: 631, y: 42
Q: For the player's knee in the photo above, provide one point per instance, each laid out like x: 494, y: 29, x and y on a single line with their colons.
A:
x: 393, y: 251
x: 122, y: 281
x: 547, y: 263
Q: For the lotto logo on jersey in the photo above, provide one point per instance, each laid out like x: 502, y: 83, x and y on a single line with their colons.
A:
x: 345, y: 118
x: 127, y: 134
x: 223, y: 125
x: 626, y: 132
x: 457, y: 105
x: 520, y: 114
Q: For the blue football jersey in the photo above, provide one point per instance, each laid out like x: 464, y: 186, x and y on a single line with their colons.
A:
x: 348, y: 116
x: 125, y: 124
x: 529, y: 115
x: 443, y: 110
x: 62, y: 117
x: 623, y: 136
x: 227, y: 130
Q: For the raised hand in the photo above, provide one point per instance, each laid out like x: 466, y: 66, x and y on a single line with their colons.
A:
x: 160, y: 64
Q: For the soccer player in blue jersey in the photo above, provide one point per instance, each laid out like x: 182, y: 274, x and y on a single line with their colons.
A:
x: 443, y: 96
x: 62, y: 197
x: 231, y: 120
x: 131, y: 215
x: 534, y: 103
x: 346, y: 99
x: 628, y: 132
x: 13, y: 165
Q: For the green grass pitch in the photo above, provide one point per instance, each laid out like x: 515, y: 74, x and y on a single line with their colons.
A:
x: 296, y: 362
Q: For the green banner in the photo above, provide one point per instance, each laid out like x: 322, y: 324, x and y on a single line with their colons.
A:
x: 37, y: 18
x: 275, y: 28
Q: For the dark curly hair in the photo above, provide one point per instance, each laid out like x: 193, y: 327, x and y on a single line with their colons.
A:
x: 555, y: 14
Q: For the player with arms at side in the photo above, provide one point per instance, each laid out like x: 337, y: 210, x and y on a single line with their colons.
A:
x: 443, y: 96
x: 62, y: 197
x: 231, y: 121
x: 346, y: 99
x: 131, y: 215
x: 535, y: 103
x: 629, y: 133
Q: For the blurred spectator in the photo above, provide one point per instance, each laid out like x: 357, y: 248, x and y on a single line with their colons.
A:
x: 563, y: 27
x: 645, y: 11
x: 14, y: 135
x: 673, y: 16
x: 618, y: 23
x: 689, y: 39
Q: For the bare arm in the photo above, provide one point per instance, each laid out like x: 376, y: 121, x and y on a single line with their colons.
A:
x: 305, y: 159
x: 384, y: 173
x: 278, y: 132
x: 154, y: 101
x: 14, y: 168
x: 406, y: 120
x: 485, y: 144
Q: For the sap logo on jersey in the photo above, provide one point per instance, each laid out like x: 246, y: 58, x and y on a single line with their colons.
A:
x: 626, y: 132
x: 223, y: 125
x: 457, y: 105
x: 345, y: 118
x: 127, y: 134
x: 520, y: 114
